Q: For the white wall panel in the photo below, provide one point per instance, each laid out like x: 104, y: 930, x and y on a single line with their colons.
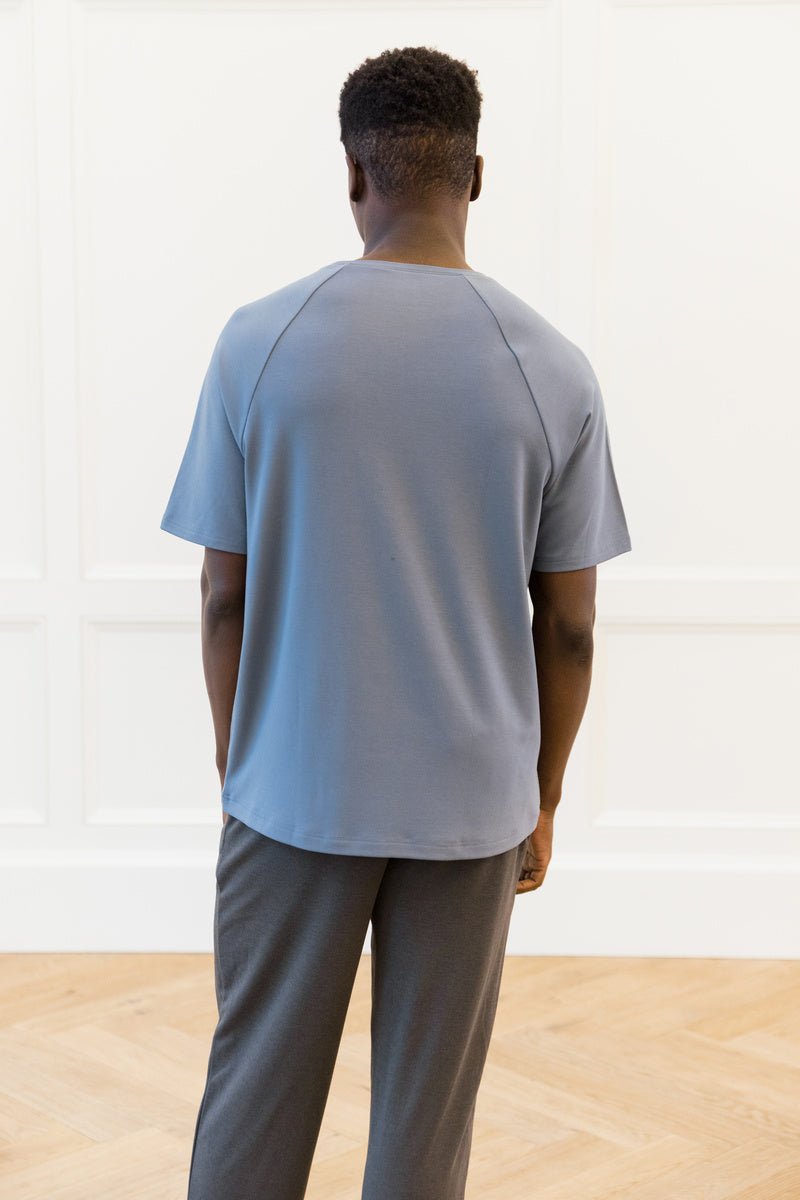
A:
x: 700, y: 734
x: 149, y: 749
x: 698, y: 262
x: 21, y: 477
x: 23, y: 721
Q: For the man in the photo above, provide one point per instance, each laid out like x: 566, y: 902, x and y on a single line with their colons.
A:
x: 388, y: 456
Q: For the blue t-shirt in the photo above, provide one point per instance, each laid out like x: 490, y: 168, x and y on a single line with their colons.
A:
x: 394, y: 446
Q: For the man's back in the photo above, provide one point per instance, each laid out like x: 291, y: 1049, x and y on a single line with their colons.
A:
x: 394, y: 446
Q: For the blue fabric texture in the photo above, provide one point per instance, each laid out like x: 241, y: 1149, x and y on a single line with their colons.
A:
x: 395, y: 447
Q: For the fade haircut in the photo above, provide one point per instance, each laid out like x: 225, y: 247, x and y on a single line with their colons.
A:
x: 410, y: 118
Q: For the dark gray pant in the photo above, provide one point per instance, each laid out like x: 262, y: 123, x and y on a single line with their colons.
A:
x: 289, y: 928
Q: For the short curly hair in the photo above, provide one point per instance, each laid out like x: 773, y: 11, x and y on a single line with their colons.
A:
x: 410, y: 118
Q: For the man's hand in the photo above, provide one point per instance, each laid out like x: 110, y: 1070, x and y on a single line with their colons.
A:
x: 538, y: 853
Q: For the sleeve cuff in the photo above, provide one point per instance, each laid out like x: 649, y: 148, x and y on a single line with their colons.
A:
x: 204, y: 537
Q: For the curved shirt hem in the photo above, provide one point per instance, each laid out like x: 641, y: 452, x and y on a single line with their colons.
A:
x: 376, y: 848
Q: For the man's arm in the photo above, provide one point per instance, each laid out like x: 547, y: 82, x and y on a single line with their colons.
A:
x: 563, y: 638
x: 222, y: 588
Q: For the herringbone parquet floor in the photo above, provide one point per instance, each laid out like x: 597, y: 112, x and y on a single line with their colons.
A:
x: 607, y: 1079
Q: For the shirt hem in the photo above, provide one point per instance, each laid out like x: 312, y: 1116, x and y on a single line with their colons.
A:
x: 374, y: 848
x: 577, y: 564
x: 202, y: 539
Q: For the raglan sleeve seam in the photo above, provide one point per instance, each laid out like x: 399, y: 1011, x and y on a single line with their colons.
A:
x: 521, y: 371
x: 272, y: 348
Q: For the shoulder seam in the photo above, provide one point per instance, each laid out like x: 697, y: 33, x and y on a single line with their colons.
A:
x: 272, y: 347
x: 519, y: 365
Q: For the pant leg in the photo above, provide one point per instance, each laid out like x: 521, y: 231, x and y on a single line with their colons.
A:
x: 289, y: 928
x: 439, y: 932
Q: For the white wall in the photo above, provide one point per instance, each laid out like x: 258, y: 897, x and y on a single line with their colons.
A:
x: 163, y: 164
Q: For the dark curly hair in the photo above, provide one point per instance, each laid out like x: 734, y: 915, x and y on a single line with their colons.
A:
x: 410, y: 118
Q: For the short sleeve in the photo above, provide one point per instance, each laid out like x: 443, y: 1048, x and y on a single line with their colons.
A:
x: 582, y: 520
x: 207, y: 502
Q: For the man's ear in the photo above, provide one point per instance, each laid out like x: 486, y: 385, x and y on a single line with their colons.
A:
x: 477, y: 177
x: 356, y: 178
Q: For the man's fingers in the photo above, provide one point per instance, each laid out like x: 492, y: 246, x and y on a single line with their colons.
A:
x: 534, y: 868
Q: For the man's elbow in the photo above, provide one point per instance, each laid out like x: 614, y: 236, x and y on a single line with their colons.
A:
x: 577, y: 642
x: 571, y: 638
x: 223, y: 583
x: 221, y: 608
x: 219, y: 602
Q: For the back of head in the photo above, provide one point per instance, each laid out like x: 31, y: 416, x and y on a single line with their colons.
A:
x: 410, y: 118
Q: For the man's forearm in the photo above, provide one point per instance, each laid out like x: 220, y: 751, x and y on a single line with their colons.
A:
x: 222, y: 628
x: 564, y: 673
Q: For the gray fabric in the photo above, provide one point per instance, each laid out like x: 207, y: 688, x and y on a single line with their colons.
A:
x: 394, y: 446
x: 289, y: 927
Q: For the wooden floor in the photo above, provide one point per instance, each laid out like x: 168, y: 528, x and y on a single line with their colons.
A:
x: 642, y: 1079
